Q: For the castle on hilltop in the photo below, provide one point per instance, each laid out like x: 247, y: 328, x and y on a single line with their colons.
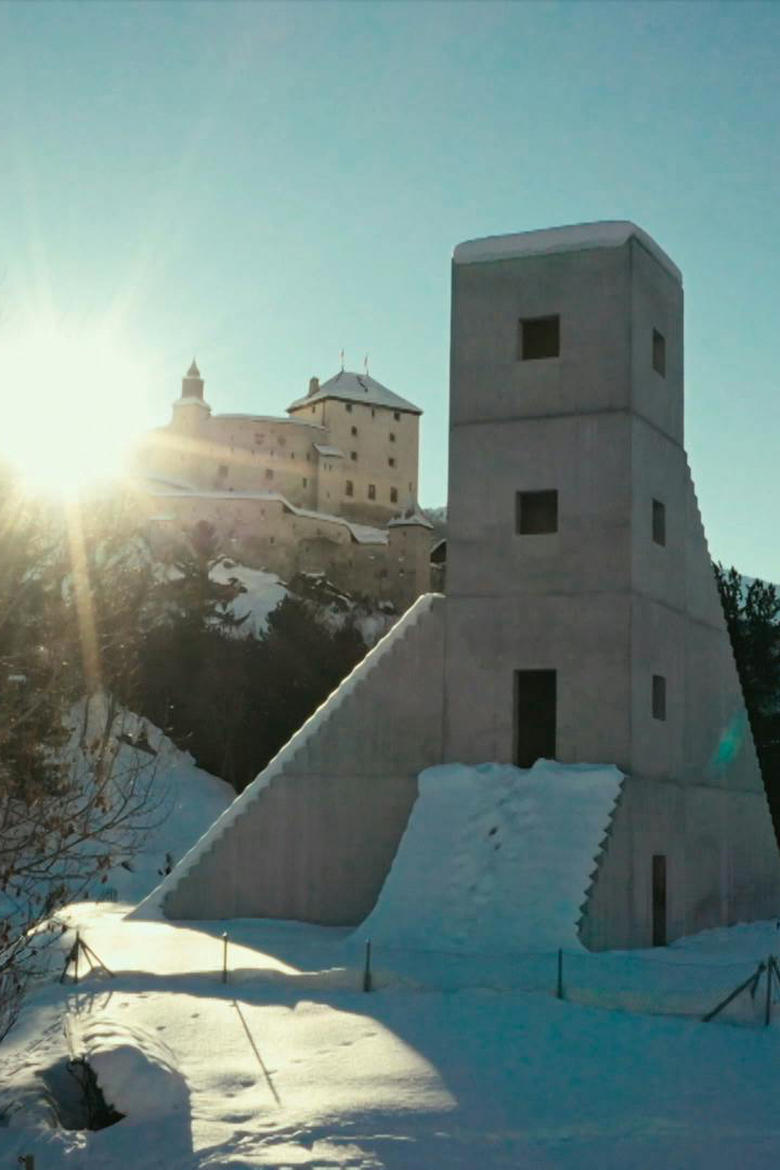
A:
x: 332, y: 488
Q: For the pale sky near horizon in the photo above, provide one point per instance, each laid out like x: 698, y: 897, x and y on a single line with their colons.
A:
x: 264, y: 184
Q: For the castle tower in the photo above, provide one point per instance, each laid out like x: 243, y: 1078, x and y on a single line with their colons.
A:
x: 583, y: 620
x: 190, y: 410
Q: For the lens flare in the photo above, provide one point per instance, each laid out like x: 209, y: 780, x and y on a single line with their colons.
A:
x: 72, y: 399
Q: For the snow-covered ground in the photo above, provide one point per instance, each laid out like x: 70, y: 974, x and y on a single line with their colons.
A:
x: 289, y: 1063
x: 460, y: 1056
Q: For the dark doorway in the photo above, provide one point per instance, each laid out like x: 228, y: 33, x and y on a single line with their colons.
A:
x: 535, y: 704
x: 659, y: 900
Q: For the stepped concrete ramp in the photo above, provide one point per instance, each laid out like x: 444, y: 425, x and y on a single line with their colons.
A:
x: 313, y: 836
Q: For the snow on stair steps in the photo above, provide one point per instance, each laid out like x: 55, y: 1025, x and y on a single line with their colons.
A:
x: 285, y: 759
x: 497, y: 859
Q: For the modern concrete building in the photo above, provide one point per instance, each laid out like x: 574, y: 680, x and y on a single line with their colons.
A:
x: 581, y: 622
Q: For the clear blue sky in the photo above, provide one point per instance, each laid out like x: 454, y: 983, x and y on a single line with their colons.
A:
x: 264, y: 184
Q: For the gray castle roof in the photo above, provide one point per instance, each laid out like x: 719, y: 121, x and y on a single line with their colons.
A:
x: 350, y: 387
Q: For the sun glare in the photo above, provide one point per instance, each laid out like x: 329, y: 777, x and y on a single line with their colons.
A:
x: 73, y: 397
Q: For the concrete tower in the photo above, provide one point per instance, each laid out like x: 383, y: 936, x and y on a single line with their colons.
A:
x: 583, y: 621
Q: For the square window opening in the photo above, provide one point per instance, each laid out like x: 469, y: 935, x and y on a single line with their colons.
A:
x: 540, y: 337
x: 536, y: 513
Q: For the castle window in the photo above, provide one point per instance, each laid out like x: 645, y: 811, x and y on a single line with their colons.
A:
x: 282, y: 441
x: 536, y: 512
x: 353, y: 456
x: 349, y: 488
x: 392, y: 437
x: 397, y: 415
x: 269, y: 474
x: 391, y: 462
x: 393, y: 495
x: 373, y: 412
x: 372, y: 491
x: 539, y: 337
x: 354, y: 430
x: 305, y: 481
x: 659, y: 697
x: 659, y: 522
x: 659, y: 353
x: 348, y: 407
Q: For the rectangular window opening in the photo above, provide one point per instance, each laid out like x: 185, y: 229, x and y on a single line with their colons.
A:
x: 372, y: 491
x: 539, y: 337
x: 393, y: 495
x: 353, y: 456
x: 349, y: 488
x: 659, y: 697
x: 535, y: 702
x: 659, y: 522
x: 659, y: 353
x: 659, y: 899
x: 348, y: 407
x: 392, y: 437
x: 397, y: 415
x: 536, y: 512
x: 391, y: 462
x: 354, y: 430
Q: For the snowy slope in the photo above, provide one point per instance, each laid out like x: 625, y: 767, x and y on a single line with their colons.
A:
x: 185, y: 802
x: 496, y: 858
x: 262, y: 592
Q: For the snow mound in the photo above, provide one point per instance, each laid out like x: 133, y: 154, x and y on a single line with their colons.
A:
x: 136, y: 1071
x: 496, y: 858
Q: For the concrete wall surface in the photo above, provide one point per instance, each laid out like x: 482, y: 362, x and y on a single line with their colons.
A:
x: 721, y: 859
x: 312, y: 838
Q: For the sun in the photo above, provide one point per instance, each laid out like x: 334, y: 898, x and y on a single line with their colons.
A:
x: 72, y: 402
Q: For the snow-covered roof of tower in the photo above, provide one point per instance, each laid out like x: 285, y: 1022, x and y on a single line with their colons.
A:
x: 411, y: 515
x: 574, y: 238
x: 350, y: 387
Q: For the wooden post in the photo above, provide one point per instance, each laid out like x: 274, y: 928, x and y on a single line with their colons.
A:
x: 76, y: 950
x: 725, y: 1002
x: 367, y: 969
x: 224, y: 956
x: 559, y: 988
x: 768, y: 1005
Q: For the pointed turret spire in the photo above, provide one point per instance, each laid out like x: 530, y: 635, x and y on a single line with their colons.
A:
x: 192, y: 383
